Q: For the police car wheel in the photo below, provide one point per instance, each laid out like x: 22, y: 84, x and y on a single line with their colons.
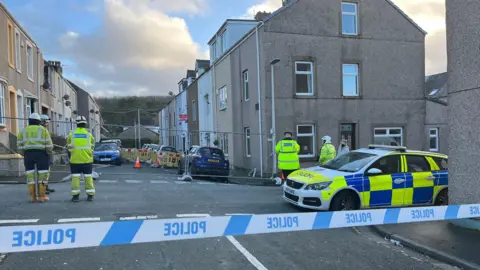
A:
x: 344, y: 201
x: 442, y: 198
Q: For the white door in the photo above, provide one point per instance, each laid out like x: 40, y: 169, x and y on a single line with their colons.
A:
x: 20, y: 113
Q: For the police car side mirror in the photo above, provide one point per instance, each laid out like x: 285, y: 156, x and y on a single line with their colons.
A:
x: 374, y: 171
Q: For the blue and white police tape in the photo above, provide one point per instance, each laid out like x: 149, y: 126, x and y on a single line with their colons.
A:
x: 77, y: 235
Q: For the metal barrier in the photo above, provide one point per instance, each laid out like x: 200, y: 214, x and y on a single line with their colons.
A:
x: 78, y: 235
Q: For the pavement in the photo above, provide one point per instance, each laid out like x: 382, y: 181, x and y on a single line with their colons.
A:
x: 441, y: 240
x: 125, y: 193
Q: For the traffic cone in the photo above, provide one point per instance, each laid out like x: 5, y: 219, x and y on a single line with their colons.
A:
x: 137, y: 164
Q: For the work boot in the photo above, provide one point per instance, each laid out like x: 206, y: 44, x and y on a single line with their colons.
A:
x: 31, y: 191
x: 41, y: 194
x: 75, y: 198
x: 90, y: 198
x: 49, y: 190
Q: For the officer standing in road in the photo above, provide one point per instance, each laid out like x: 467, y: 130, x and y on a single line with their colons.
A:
x: 35, y: 144
x: 327, y: 152
x: 287, y: 151
x: 45, y: 123
x: 81, y: 143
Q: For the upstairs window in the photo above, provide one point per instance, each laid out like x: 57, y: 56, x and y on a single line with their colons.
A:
x: 223, y: 100
x: 18, y: 51
x: 304, y: 78
x: 30, y: 61
x: 350, y: 80
x: 245, y: 86
x: 349, y: 18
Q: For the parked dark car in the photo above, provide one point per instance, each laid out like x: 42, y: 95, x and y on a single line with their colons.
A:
x: 107, y: 153
x: 205, y: 161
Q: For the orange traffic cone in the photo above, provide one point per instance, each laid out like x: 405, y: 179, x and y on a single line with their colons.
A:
x: 137, y: 164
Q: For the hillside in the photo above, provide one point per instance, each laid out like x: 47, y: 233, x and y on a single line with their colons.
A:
x: 123, y: 110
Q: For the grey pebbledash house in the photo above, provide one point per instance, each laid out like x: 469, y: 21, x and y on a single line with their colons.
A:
x: 353, y: 69
x: 436, y: 116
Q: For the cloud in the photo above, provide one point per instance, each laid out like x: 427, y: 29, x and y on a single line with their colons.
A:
x: 138, y: 50
x: 266, y: 5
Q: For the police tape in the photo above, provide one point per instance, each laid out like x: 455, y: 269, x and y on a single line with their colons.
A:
x: 79, y: 235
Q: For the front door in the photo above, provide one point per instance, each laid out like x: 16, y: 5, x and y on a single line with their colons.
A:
x: 388, y: 187
x: 347, y: 132
x: 420, y: 180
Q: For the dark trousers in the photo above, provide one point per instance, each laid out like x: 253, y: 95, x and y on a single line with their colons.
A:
x: 81, y: 168
x: 286, y: 173
x: 36, y: 157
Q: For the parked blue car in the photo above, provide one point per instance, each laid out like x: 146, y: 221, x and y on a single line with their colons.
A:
x: 107, y: 153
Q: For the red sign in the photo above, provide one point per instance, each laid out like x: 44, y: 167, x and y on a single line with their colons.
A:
x: 183, y: 117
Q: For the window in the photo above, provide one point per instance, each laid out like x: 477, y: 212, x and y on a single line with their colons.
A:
x: 30, y: 62
x: 433, y: 92
x: 224, y: 143
x: 248, y: 152
x: 349, y: 18
x: 388, y: 136
x: 306, y: 140
x: 350, y: 80
x: 304, y: 78
x: 213, y: 51
x: 18, y: 52
x: 3, y: 90
x: 223, y: 39
x: 194, y: 110
x: 29, y: 108
x: 20, y: 112
x: 417, y: 164
x: 223, y: 98
x: 245, y: 86
x: 434, y: 139
x: 11, y: 46
x: 441, y: 162
x: 174, y: 120
x: 388, y: 165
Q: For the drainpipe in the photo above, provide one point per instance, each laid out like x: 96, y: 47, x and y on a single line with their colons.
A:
x: 38, y: 81
x: 259, y: 100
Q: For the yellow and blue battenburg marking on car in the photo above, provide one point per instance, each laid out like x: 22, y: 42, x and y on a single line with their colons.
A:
x: 377, y: 176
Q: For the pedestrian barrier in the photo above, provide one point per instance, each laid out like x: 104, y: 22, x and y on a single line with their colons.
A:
x: 78, y: 235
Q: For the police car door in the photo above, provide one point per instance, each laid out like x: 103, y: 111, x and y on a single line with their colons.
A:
x: 388, y: 187
x: 420, y: 180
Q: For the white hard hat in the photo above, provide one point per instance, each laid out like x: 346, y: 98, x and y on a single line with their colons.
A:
x: 35, y: 116
x: 81, y: 120
x: 45, y: 118
x: 327, y: 139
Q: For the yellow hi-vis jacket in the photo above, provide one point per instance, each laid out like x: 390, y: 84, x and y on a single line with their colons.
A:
x: 287, y: 150
x: 81, y: 143
x: 34, y: 137
x: 327, y: 153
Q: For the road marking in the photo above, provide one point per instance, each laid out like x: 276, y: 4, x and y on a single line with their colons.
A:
x: 133, y: 181
x: 247, y: 254
x: 192, y: 215
x: 159, y: 182
x: 67, y: 220
x: 2, y: 257
x: 107, y: 181
x: 205, y: 183
x: 182, y: 182
x: 139, y: 217
x: 9, y: 221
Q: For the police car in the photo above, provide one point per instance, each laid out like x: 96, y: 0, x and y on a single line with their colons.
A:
x: 377, y: 176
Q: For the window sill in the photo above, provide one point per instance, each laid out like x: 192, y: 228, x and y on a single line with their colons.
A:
x: 19, y: 71
x: 305, y: 96
x: 248, y: 156
x: 351, y: 97
x: 30, y: 79
x: 224, y: 109
x: 3, y: 128
x: 350, y: 35
x: 11, y: 66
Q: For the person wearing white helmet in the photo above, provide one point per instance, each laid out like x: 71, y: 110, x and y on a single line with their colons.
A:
x: 81, y: 143
x: 45, y: 123
x: 327, y: 152
x: 35, y: 143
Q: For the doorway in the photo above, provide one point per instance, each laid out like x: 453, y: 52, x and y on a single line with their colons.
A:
x: 348, y: 132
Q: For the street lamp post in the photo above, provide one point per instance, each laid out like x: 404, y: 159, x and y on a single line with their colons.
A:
x: 273, y: 131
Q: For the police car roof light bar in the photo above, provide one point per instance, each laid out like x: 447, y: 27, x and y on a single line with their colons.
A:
x: 395, y: 148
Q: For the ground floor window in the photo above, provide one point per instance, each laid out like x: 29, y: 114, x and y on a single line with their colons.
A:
x: 224, y: 143
x: 388, y: 136
x: 306, y: 140
x: 3, y: 90
x: 433, y: 139
x: 248, y: 152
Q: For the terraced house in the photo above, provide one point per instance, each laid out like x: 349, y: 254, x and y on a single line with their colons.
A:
x: 21, y: 69
x: 348, y: 69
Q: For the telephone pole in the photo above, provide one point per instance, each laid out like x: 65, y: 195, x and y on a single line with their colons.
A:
x: 139, y: 125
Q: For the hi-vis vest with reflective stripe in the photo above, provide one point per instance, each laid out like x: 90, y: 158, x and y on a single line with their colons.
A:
x: 327, y: 153
x: 287, y: 151
x: 81, y: 144
x: 34, y: 137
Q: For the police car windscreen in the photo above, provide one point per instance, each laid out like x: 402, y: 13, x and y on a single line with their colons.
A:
x: 350, y: 162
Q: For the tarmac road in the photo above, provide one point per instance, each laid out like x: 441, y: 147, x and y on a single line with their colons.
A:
x: 123, y: 192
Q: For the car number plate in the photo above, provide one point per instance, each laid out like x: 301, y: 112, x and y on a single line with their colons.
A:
x: 290, y: 190
x: 105, y: 159
x: 214, y: 160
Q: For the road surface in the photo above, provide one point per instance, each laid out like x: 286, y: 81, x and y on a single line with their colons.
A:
x: 123, y: 193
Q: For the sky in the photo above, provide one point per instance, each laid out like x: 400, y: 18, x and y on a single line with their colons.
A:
x: 144, y: 47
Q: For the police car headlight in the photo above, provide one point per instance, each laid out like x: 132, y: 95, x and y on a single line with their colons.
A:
x: 318, y: 186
